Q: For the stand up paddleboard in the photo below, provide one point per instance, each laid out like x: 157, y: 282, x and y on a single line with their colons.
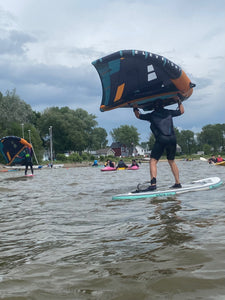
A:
x: 198, y: 185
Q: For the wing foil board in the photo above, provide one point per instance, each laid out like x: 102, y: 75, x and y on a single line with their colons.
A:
x: 198, y: 185
x: 137, y: 77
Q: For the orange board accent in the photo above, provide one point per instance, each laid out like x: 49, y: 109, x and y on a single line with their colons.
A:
x: 9, y: 156
x: 16, y: 155
x: 106, y: 108
x: 24, y: 142
x: 119, y: 92
x: 183, y: 84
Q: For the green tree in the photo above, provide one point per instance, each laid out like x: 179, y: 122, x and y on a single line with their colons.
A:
x: 72, y: 129
x: 186, y: 141
x: 13, y: 109
x: 127, y: 135
x: 98, y: 138
x: 207, y: 149
x: 212, y: 135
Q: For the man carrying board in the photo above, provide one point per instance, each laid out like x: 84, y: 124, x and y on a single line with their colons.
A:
x: 165, y: 139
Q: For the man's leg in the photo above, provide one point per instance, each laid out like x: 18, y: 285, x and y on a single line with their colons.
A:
x: 174, y: 170
x: 156, y: 153
x: 26, y: 168
x: 31, y: 167
x: 153, y: 170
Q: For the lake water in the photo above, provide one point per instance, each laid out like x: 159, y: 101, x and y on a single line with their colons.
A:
x: 62, y: 237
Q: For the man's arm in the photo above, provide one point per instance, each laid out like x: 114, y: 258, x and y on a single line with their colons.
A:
x: 145, y: 117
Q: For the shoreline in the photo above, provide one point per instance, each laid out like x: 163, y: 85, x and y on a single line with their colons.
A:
x: 65, y: 165
x: 86, y: 164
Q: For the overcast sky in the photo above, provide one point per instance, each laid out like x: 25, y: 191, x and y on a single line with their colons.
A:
x: 46, y: 50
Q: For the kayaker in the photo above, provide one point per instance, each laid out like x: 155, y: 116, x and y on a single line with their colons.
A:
x: 121, y: 164
x: 219, y: 158
x: 95, y: 163
x: 109, y: 163
x: 212, y: 160
x: 134, y: 163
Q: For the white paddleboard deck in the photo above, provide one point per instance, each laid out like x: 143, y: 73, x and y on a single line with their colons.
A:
x: 198, y: 185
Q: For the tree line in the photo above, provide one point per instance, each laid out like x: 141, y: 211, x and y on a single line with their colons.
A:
x: 77, y: 130
x: 210, y: 139
x: 73, y: 130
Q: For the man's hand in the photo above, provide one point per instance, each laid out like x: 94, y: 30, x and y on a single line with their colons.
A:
x: 180, y: 105
x: 136, y: 111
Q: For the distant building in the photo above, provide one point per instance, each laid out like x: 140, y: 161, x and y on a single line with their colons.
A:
x: 105, y: 152
x: 120, y: 149
x: 138, y: 150
x: 200, y: 153
x: 178, y: 149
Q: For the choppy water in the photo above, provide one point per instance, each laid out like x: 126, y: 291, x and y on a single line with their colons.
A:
x: 62, y: 237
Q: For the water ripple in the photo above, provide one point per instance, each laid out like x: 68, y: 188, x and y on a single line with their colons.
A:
x: 63, y: 238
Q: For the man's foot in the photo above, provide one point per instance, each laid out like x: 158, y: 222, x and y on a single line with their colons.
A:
x: 148, y: 189
x: 176, y: 186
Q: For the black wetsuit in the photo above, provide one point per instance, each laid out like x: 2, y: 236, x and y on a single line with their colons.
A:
x: 162, y: 127
x: 212, y: 160
x: 110, y: 164
x: 134, y: 165
x: 121, y: 164
x: 28, y: 163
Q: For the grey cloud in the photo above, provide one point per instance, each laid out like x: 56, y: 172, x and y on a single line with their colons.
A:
x: 46, y: 85
x: 86, y: 52
x: 217, y: 58
x: 201, y: 82
x: 14, y: 42
x: 54, y: 75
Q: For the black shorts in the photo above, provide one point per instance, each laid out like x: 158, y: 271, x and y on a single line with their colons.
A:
x: 162, y: 143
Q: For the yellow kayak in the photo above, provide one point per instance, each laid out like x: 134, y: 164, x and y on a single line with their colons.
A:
x: 221, y: 163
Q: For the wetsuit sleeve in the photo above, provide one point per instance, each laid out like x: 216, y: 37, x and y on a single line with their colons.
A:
x: 175, y: 113
x: 146, y: 117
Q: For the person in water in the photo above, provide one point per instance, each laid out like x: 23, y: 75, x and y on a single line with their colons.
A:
x: 212, y: 160
x: 28, y: 160
x: 134, y: 163
x: 219, y: 159
x: 95, y: 163
x: 161, y: 120
x: 121, y: 164
x: 109, y: 163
